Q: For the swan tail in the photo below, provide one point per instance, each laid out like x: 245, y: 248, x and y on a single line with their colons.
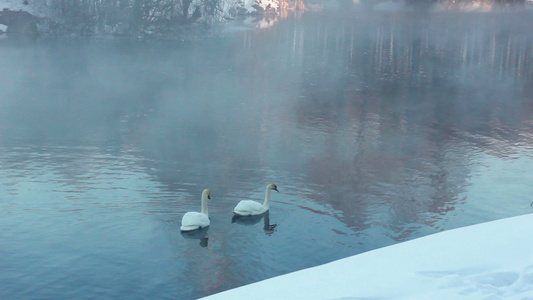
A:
x: 246, y: 213
x: 189, y: 227
x: 240, y: 213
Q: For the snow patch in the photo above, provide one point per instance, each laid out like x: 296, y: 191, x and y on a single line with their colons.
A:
x: 255, y: 6
x: 35, y: 8
x: 14, y: 5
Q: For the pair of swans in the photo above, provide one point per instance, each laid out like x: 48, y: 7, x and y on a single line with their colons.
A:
x: 195, y: 220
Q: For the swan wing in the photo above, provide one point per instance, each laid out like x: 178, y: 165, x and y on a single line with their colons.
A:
x: 249, y: 208
x: 194, y: 220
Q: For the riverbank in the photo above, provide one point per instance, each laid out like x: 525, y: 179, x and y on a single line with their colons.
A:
x: 490, y: 260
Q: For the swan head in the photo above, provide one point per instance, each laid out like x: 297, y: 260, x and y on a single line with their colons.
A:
x: 272, y: 187
x: 206, y: 194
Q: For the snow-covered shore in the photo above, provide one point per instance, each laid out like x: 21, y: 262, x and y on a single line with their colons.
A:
x: 493, y: 260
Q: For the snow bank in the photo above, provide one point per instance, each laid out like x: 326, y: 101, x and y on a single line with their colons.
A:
x: 487, y: 261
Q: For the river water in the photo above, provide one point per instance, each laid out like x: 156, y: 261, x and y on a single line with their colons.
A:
x: 378, y: 126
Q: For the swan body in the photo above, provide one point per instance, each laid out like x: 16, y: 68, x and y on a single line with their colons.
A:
x: 195, y: 220
x: 253, y: 208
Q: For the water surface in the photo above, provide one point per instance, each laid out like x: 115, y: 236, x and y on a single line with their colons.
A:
x: 377, y: 126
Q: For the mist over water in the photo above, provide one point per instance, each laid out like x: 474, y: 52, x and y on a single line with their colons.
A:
x: 378, y: 126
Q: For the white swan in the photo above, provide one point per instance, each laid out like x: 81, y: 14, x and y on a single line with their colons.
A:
x: 194, y: 220
x: 253, y: 208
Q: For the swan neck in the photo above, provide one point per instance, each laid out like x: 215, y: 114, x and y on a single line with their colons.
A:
x: 204, y: 205
x: 266, y: 203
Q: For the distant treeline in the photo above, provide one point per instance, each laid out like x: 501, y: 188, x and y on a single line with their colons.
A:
x: 142, y: 18
x: 118, y: 17
x: 137, y: 18
x: 133, y: 17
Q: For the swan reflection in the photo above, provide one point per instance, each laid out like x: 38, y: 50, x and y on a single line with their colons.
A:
x: 199, y: 234
x: 252, y: 220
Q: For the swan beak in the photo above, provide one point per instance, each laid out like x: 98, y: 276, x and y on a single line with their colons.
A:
x: 276, y: 189
x: 209, y: 197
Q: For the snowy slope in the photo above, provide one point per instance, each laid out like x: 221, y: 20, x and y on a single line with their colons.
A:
x: 487, y: 261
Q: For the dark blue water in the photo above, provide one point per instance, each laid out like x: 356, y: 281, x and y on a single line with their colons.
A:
x: 377, y: 126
